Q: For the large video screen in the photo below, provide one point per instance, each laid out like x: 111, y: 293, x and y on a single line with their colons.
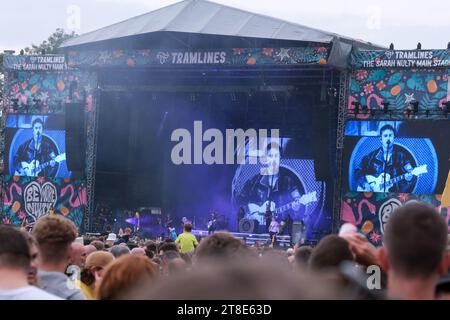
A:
x: 35, y: 146
x: 397, y: 156
x: 280, y: 181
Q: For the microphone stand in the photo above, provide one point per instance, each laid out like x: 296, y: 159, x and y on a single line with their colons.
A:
x: 35, y: 152
x: 385, y: 165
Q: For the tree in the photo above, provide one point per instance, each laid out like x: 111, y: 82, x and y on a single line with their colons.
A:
x: 52, y: 44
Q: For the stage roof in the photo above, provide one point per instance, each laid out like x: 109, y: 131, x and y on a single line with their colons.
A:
x: 208, y: 18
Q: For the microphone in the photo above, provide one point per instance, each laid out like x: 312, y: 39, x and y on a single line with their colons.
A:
x: 388, y: 144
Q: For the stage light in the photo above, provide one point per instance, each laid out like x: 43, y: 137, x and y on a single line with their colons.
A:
x: 415, y: 106
x: 385, y: 105
x: 419, y: 46
x: 391, y: 46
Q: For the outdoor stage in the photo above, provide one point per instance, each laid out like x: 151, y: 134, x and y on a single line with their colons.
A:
x: 112, y: 108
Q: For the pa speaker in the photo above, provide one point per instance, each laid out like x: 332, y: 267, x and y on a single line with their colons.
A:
x: 321, y: 142
x: 248, y: 226
x: 75, y: 137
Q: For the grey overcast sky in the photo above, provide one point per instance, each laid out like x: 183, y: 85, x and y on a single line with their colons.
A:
x: 403, y: 22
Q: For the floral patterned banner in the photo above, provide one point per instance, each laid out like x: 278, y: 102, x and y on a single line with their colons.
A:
x: 30, y: 198
x: 371, y: 211
x: 46, y: 92
x: 399, y: 87
x: 236, y: 56
x: 400, y: 58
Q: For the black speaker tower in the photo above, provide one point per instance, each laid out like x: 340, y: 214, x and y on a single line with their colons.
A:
x: 75, y: 138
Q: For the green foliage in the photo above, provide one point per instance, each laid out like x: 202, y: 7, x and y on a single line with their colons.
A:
x: 52, y: 44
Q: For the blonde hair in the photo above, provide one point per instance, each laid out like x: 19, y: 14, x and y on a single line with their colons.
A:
x: 124, y: 274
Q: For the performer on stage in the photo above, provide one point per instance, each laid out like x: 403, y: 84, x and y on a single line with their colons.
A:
x: 276, y: 187
x: 213, y: 222
x: 36, y: 156
x: 274, y: 230
x: 389, y: 159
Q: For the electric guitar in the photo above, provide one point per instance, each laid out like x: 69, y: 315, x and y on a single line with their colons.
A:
x: 255, y: 211
x: 33, y: 168
x: 377, y: 183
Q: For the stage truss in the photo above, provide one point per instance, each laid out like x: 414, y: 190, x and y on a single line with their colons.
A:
x: 91, y: 153
x: 342, y: 113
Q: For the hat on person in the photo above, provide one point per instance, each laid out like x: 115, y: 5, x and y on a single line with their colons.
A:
x: 98, y: 259
x: 111, y: 237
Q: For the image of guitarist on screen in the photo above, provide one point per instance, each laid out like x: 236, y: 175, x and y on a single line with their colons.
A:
x: 37, y: 156
x: 276, y: 193
x: 390, y: 168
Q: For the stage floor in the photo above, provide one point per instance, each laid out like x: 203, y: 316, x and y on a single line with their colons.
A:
x: 251, y: 238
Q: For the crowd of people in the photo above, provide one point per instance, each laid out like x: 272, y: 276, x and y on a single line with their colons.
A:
x: 54, y: 262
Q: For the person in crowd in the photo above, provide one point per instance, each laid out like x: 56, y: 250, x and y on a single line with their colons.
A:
x: 15, y: 264
x: 172, y: 262
x: 238, y: 279
x: 93, y: 271
x: 89, y: 249
x: 150, y: 249
x: 99, y: 245
x: 187, y: 241
x: 54, y: 235
x: 167, y: 246
x: 125, y: 237
x: 111, y: 240
x: 414, y: 252
x: 302, y: 256
x: 123, y: 275
x: 119, y: 250
x: 331, y: 251
x: 220, y: 245
x: 138, y: 252
x: 78, y: 255
x: 443, y: 285
x: 34, y: 255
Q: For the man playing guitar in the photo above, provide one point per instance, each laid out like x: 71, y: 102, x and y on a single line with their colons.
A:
x: 37, y: 156
x: 389, y: 168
